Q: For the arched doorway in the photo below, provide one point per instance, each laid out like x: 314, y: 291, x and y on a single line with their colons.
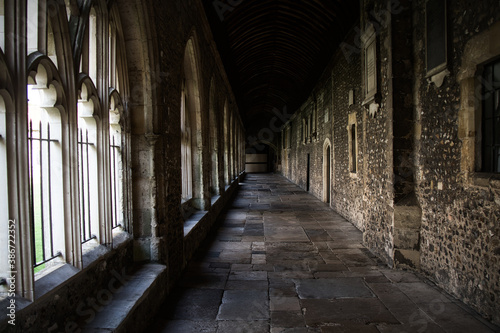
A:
x: 327, y: 171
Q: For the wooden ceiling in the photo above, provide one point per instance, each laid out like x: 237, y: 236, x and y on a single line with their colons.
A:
x: 275, y: 50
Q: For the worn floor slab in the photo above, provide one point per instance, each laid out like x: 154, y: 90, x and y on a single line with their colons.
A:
x: 281, y: 261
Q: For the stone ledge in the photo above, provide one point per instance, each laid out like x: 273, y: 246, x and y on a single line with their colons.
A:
x: 125, y: 304
x: 192, y: 221
x: 64, y: 284
x: 487, y: 180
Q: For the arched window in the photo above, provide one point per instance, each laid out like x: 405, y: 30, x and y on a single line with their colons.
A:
x: 226, y: 145
x: 117, y: 121
x: 327, y: 171
x: 114, y: 58
x: 45, y: 155
x: 231, y: 146
x: 191, y: 131
x: 90, y: 136
x: 89, y: 124
x: 214, y: 188
x: 242, y: 150
x: 88, y: 62
x: 116, y: 162
x: 186, y: 157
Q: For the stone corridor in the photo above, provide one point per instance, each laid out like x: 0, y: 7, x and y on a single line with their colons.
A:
x: 282, y: 261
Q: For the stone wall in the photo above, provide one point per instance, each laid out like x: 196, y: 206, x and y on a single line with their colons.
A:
x: 416, y: 194
x: 156, y: 141
x: 460, y: 237
x: 72, y: 301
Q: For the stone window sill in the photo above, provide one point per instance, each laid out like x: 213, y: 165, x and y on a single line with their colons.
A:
x: 214, y: 199
x: 51, y: 279
x: 488, y: 180
x: 192, y: 221
x: 91, y: 252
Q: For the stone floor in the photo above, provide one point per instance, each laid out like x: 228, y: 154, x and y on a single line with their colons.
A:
x: 282, y: 261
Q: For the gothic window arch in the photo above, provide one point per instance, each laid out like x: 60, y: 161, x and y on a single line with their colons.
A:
x: 186, y: 155
x: 226, y: 144
x: 235, y: 150
x: 46, y: 143
x: 118, y: 174
x: 191, y: 130
x: 231, y: 147
x: 91, y: 45
x: 327, y: 170
x: 214, y: 142
x: 89, y: 168
x: 116, y: 53
x: 118, y: 138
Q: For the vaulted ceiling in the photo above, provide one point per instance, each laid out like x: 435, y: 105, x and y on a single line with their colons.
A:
x: 275, y: 50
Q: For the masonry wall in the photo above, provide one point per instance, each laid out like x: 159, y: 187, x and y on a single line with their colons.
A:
x: 460, y: 236
x: 158, y: 219
x: 417, y: 195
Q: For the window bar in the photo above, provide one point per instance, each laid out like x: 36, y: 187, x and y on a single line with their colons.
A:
x: 113, y: 180
x: 84, y: 186
x: 114, y: 189
x: 31, y: 191
x: 49, y: 178
x: 116, y: 152
x: 31, y: 185
x: 41, y: 192
x: 89, y: 222
x: 112, y: 157
x: 82, y: 189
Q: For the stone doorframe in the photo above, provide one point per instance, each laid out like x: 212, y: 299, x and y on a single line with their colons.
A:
x: 327, y: 187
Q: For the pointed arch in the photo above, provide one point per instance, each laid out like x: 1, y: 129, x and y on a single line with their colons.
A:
x: 230, y: 139
x: 48, y: 138
x: 90, y: 168
x: 226, y: 143
x: 327, y: 170
x: 117, y: 160
x: 191, y: 128
x: 118, y: 77
x: 214, y: 142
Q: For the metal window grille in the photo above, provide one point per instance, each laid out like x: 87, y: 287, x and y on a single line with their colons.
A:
x: 84, y: 185
x: 116, y: 216
x: 41, y: 193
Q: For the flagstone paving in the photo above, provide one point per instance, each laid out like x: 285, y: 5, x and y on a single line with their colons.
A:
x: 282, y: 261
